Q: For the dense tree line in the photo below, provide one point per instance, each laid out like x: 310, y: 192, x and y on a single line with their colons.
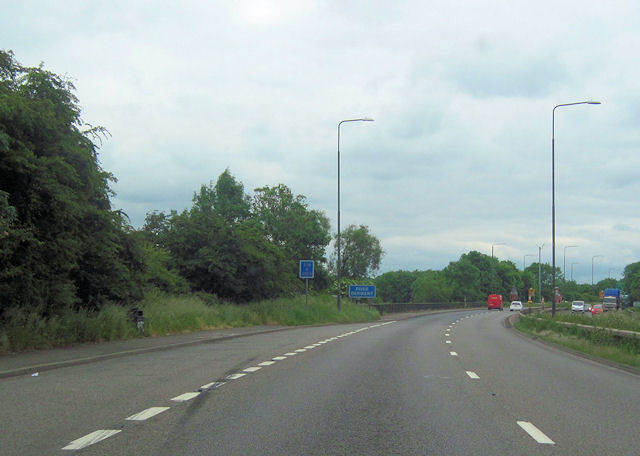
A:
x: 475, y: 275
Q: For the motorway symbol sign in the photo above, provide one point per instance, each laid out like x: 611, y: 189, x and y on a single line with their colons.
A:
x: 306, y: 269
x: 362, y: 291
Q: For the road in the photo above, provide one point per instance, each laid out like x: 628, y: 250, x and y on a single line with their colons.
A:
x: 456, y: 383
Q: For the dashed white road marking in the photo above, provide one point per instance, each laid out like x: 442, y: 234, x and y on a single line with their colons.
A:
x: 472, y: 374
x: 535, y: 433
x: 290, y: 354
x: 235, y: 376
x: 90, y: 439
x: 252, y: 369
x: 447, y: 334
x: 185, y: 397
x: 211, y: 385
x: 279, y: 358
x: 453, y: 353
x: 301, y: 350
x: 447, y: 341
x: 309, y: 347
x: 146, y: 414
x: 266, y: 363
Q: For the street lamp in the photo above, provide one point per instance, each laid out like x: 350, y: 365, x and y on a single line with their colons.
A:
x: 592, y: 258
x: 564, y: 262
x: 524, y: 259
x: 499, y: 243
x: 553, y: 200
x: 364, y: 119
x: 572, y: 270
x: 540, y: 273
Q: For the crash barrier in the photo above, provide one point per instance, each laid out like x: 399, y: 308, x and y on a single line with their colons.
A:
x: 397, y: 307
x: 626, y: 334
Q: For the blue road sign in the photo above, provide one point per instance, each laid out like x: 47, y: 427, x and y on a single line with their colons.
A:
x: 362, y: 291
x: 306, y: 269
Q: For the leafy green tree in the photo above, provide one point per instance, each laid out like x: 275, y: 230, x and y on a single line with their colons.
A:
x: 631, y: 280
x: 395, y: 286
x: 229, y: 199
x: 432, y: 286
x: 286, y: 221
x: 465, y: 280
x: 63, y: 243
x: 361, y: 252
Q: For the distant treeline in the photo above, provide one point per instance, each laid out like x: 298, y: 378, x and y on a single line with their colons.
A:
x: 475, y: 275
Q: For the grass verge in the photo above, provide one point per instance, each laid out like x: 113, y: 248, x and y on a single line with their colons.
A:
x: 165, y: 315
x: 596, y: 343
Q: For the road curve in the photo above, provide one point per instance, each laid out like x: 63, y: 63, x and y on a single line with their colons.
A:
x: 450, y: 383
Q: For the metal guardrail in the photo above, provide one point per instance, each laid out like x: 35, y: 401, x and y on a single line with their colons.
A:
x: 396, y: 307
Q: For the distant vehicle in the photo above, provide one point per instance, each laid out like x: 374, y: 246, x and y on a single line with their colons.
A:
x: 611, y: 299
x: 494, y: 302
x: 579, y: 306
x: 597, y: 309
x: 515, y: 305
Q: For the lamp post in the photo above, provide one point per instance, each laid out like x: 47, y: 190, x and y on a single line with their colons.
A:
x: 572, y: 270
x: 499, y: 243
x: 364, y: 119
x: 524, y: 259
x: 564, y: 261
x: 553, y: 200
x: 540, y: 273
x: 593, y: 258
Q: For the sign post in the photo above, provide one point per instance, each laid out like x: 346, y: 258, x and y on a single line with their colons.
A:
x: 306, y: 272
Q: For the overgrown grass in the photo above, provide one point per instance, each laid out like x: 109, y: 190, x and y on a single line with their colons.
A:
x: 166, y: 314
x: 619, y: 320
x: 597, y: 343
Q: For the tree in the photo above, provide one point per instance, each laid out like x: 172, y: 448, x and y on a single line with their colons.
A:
x: 286, y: 221
x: 395, y: 286
x: 361, y: 252
x: 63, y: 244
x: 631, y: 280
x: 432, y: 286
x: 229, y: 199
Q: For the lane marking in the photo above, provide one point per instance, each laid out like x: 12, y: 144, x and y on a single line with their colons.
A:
x: 235, y: 376
x: 447, y: 334
x: 309, y: 347
x: 472, y: 374
x: 279, y: 358
x: 447, y: 341
x: 213, y: 385
x: 185, y: 397
x: 146, y: 414
x: 266, y: 363
x: 535, y: 433
x: 90, y: 439
x: 301, y: 350
x: 290, y: 354
x: 453, y: 353
x: 252, y: 369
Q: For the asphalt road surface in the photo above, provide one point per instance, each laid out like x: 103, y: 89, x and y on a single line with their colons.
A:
x: 456, y: 383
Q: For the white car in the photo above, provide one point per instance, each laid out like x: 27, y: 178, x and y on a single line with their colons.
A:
x: 579, y: 306
x: 515, y: 305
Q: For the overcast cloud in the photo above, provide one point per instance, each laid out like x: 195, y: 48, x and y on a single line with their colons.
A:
x: 459, y: 155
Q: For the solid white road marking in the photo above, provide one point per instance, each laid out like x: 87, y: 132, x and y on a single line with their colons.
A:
x: 235, y: 376
x: 472, y: 374
x: 252, y: 369
x: 146, y: 414
x: 184, y: 397
x: 279, y: 358
x: 266, y: 363
x: 535, y: 433
x: 90, y: 439
x: 453, y: 353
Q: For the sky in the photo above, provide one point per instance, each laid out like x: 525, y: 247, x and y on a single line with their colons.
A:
x: 459, y: 157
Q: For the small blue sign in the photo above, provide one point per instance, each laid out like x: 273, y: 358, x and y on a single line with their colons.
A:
x: 362, y: 291
x: 306, y: 269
